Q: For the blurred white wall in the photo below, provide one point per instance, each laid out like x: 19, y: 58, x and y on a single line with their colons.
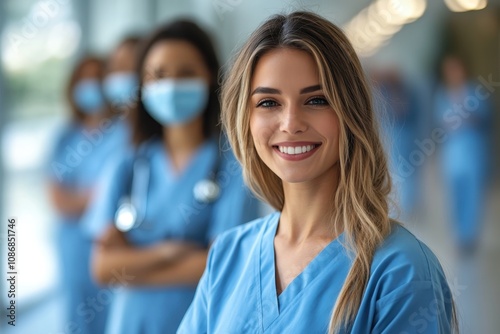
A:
x: 231, y: 21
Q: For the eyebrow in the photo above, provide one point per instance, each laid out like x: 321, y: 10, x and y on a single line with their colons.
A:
x: 265, y: 90
x: 268, y: 90
x: 310, y: 89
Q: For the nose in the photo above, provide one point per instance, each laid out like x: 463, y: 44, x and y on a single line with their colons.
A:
x: 292, y: 120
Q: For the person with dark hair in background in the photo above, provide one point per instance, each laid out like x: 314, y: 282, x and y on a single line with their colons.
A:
x: 79, y: 156
x: 121, y: 83
x: 466, y: 118
x: 162, y: 205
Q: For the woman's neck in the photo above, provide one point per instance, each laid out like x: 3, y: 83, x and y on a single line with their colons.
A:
x: 182, y: 141
x: 93, y: 120
x: 308, y: 207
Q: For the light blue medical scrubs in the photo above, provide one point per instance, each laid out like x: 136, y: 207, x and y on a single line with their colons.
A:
x: 406, y: 293
x: 79, y: 156
x: 172, y: 213
x: 465, y: 159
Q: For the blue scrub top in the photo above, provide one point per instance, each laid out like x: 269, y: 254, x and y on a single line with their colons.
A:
x: 406, y: 293
x: 171, y: 213
x: 79, y: 156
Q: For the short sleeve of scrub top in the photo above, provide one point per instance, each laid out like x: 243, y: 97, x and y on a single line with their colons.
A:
x: 406, y: 293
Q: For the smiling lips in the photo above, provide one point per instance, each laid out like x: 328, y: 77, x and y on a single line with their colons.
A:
x: 296, y: 151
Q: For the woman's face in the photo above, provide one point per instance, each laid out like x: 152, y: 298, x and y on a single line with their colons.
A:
x: 294, y: 129
x: 86, y: 92
x: 174, y: 59
x: 176, y: 84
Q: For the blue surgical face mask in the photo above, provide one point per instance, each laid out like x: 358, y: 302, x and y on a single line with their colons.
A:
x: 120, y: 87
x: 88, y: 96
x: 175, y: 101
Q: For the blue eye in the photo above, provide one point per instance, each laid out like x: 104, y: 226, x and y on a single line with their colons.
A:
x: 267, y: 104
x: 317, y: 101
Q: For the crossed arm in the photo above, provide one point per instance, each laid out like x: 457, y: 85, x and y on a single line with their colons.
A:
x: 164, y: 263
x: 68, y: 201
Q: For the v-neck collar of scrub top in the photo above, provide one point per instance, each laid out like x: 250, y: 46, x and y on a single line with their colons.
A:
x: 273, y: 305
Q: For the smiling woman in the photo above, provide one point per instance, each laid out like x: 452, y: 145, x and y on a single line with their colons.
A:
x: 299, y: 116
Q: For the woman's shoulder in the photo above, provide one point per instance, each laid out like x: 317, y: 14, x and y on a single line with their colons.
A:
x: 406, y: 278
x: 118, y: 163
x: 245, y: 235
x: 403, y: 247
x: 67, y: 131
x: 404, y: 259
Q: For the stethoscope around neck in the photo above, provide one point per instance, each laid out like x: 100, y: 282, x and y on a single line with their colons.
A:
x: 132, y: 207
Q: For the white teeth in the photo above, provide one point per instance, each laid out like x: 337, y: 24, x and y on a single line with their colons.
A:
x: 296, y: 149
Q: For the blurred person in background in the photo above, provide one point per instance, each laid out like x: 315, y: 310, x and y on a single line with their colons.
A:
x: 465, y: 113
x: 160, y: 206
x: 399, y: 110
x: 120, y: 84
x: 79, y: 156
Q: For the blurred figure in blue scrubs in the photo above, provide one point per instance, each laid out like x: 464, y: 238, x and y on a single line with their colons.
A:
x: 400, y: 120
x: 120, y: 85
x: 161, y: 205
x: 79, y: 156
x: 463, y: 110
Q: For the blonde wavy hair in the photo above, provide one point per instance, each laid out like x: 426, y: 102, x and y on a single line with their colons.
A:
x: 360, y: 205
